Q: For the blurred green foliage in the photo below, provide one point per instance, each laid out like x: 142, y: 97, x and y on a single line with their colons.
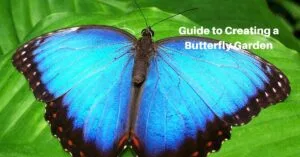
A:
x: 288, y: 13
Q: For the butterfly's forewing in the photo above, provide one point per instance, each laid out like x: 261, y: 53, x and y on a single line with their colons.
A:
x: 84, y: 76
x: 192, y: 97
x: 172, y: 117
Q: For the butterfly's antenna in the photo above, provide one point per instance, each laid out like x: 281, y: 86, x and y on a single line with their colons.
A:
x: 141, y: 12
x: 173, y: 16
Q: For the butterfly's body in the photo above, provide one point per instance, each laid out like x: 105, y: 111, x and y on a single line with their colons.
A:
x: 144, y: 49
x: 156, y: 97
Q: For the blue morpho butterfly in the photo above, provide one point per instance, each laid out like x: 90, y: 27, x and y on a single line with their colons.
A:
x: 106, y: 90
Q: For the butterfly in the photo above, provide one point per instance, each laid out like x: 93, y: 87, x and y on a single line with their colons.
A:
x: 106, y: 90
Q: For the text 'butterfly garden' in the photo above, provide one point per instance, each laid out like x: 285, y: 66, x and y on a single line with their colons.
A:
x: 106, y: 90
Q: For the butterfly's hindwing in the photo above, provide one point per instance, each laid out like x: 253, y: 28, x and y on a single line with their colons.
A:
x: 172, y: 123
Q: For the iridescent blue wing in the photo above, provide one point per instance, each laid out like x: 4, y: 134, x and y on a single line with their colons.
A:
x: 192, y: 97
x: 84, y: 76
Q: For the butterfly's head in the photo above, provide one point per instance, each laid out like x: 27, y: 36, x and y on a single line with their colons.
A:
x: 148, y: 32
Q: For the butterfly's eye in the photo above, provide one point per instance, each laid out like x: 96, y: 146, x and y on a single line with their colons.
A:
x: 143, y: 32
x: 151, y: 31
x: 148, y: 32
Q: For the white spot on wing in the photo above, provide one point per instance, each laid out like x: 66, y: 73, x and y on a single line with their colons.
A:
x: 24, y: 59
x: 248, y: 109
x: 274, y: 90
x: 267, y: 95
x: 257, y: 100
x: 237, y: 117
x: 23, y: 52
x: 280, y: 75
x: 38, y: 83
x: 279, y: 84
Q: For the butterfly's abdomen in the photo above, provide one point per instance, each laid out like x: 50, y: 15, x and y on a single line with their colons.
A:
x: 144, y: 50
x: 140, y: 70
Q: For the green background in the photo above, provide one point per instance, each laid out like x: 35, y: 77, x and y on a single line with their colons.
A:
x: 23, y: 131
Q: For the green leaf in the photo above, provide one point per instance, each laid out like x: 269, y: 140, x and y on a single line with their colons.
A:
x: 24, y: 133
x: 19, y: 17
x: 289, y: 14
